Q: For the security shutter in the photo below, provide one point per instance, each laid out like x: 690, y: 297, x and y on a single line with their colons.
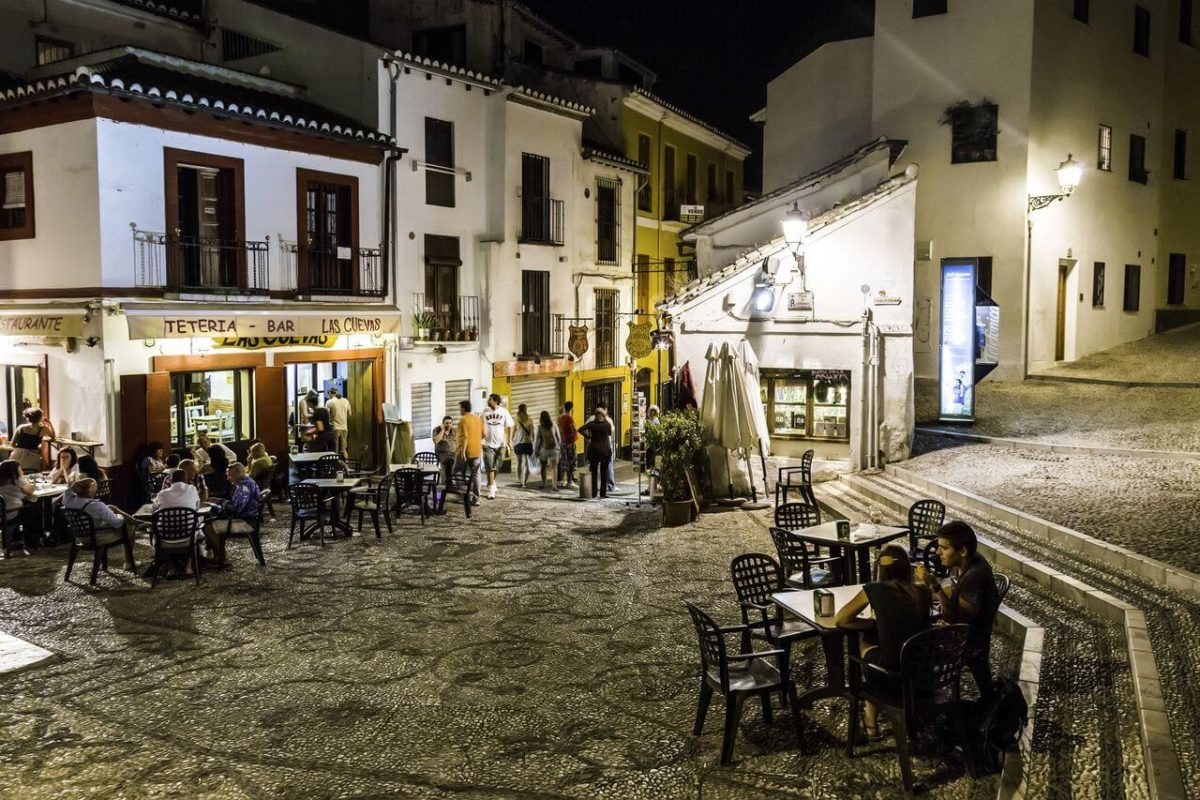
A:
x: 538, y: 395
x: 422, y: 410
x: 456, y: 392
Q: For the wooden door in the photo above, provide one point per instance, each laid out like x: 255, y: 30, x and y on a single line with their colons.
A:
x: 145, y: 412
x: 271, y: 409
x: 1060, y: 327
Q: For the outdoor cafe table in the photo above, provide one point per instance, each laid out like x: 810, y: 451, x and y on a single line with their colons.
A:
x: 44, y: 494
x: 863, y: 536
x: 64, y: 443
x: 333, y: 489
x: 834, y: 640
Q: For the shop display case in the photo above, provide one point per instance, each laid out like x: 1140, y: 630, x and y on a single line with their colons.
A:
x: 807, y: 404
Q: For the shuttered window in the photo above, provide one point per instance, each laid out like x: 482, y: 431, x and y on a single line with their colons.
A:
x: 456, y: 392
x: 439, y: 162
x: 422, y: 410
x: 16, y: 196
x: 538, y: 395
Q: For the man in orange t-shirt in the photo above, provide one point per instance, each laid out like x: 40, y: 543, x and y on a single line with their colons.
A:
x: 470, y: 446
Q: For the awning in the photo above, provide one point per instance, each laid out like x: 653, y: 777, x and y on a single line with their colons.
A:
x: 42, y: 321
x: 159, y: 323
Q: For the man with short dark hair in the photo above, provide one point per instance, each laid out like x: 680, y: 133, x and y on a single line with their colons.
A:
x: 469, y: 439
x: 497, y: 439
x: 568, y: 434
x: 973, y: 598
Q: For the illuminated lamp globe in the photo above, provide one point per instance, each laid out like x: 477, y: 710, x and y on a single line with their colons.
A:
x: 1069, y: 172
x: 795, y: 226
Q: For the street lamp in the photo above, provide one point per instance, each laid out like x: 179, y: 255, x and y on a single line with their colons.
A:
x: 1068, y: 173
x: 795, y: 226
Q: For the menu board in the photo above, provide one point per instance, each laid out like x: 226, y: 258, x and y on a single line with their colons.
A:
x: 637, y: 425
x: 956, y: 383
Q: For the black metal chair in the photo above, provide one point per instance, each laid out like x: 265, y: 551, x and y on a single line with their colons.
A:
x: 932, y: 561
x: 12, y: 530
x: 265, y: 482
x: 736, y: 676
x: 798, y: 477
x: 926, y: 685
x: 460, y: 482
x: 154, y: 482
x: 175, y: 531
x: 803, y: 562
x: 373, y: 500
x: 328, y: 466
x: 1002, y: 585
x: 308, y: 512
x: 925, y: 518
x: 236, y: 528
x: 104, y: 489
x: 410, y: 489
x: 84, y: 536
x: 756, y: 576
x: 427, y: 458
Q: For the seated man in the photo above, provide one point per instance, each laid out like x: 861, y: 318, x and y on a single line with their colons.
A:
x: 973, y: 598
x: 108, y: 520
x: 192, y: 475
x: 237, y: 514
x: 180, y: 493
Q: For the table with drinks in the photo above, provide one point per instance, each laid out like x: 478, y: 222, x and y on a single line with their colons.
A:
x: 333, y: 488
x: 852, y: 540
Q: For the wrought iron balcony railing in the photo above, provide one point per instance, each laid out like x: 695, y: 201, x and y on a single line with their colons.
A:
x: 454, y: 320
x: 189, y: 264
x: 342, y: 272
x: 542, y: 220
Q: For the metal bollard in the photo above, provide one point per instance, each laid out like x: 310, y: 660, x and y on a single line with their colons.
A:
x: 585, y: 486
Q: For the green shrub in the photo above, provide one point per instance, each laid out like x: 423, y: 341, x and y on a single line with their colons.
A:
x: 676, y: 440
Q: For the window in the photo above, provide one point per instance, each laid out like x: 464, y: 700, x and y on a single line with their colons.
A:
x: 541, y: 216
x: 1141, y: 31
x: 456, y: 392
x: 205, y: 220
x: 643, y: 157
x: 448, y: 45
x: 442, y: 263
x: 806, y: 404
x: 1176, y: 278
x: 642, y: 276
x: 608, y: 221
x: 1133, y: 287
x: 24, y: 386
x: 589, y: 67
x: 729, y: 198
x: 422, y: 410
x: 1180, y: 171
x: 710, y: 184
x: 973, y: 132
x: 670, y: 281
x: 535, y: 312
x: 606, y: 328
x: 439, y: 162
x: 670, y: 190
x: 1137, y: 159
x: 218, y: 402
x: 16, y: 184
x: 1098, y: 284
x: 928, y: 8
x: 534, y: 52
x: 1082, y: 10
x: 329, y: 238
x: 983, y: 274
x: 690, y: 178
x: 1104, y: 149
x: 1185, y: 21
x: 48, y: 50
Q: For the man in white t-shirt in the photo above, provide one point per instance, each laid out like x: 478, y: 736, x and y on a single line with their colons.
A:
x: 497, y: 435
x: 339, y: 420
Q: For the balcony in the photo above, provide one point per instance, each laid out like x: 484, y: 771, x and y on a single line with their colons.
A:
x: 543, y: 334
x: 456, y: 321
x: 345, y: 272
x: 542, y: 221
x: 189, y: 265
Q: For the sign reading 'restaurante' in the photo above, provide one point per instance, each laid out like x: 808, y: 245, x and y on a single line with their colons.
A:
x: 41, y: 325
x: 250, y: 324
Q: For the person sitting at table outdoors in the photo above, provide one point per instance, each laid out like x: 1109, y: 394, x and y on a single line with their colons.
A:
x: 208, y: 444
x: 258, y: 463
x: 178, y: 493
x: 89, y: 468
x: 901, y: 609
x: 16, y: 490
x: 217, y: 484
x: 66, y: 469
x: 27, y: 439
x: 81, y: 496
x: 191, y: 475
x: 172, y: 463
x: 972, y: 599
x: 153, y: 461
x: 237, y: 513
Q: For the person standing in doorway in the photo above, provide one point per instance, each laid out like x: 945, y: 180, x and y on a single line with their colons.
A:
x: 598, y: 435
x: 339, y: 420
x: 522, y: 443
x: 470, y: 446
x: 567, y: 435
x: 497, y: 439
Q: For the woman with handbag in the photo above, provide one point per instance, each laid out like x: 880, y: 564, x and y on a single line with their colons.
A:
x: 522, y: 442
x: 547, y: 443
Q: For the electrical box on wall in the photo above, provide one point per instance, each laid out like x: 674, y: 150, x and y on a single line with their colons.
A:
x: 925, y: 250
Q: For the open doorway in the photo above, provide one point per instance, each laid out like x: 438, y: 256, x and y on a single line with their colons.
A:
x: 354, y: 380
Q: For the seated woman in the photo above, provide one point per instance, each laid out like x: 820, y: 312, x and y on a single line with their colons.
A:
x: 15, y: 491
x: 88, y: 468
x: 217, y: 484
x: 901, y: 609
x: 27, y: 439
x: 66, y: 468
x: 153, y: 461
x: 258, y: 463
x: 237, y: 513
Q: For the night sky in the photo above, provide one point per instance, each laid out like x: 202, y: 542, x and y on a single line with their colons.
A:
x: 713, y: 57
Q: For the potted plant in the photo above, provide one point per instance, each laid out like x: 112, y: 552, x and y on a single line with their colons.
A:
x: 676, y: 440
x: 422, y: 321
x: 472, y: 334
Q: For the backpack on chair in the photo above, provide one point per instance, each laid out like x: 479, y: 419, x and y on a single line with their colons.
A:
x: 997, y: 724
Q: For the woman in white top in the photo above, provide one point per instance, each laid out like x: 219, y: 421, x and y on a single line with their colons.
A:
x: 547, y: 442
x: 66, y: 468
x: 15, y: 490
x: 522, y: 442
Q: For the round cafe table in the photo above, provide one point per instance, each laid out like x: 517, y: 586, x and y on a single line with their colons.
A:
x: 334, y: 489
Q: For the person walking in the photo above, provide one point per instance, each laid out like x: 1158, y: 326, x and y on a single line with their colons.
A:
x: 547, y: 443
x: 339, y: 420
x: 469, y: 437
x: 522, y: 440
x: 598, y: 435
x: 497, y: 439
x: 567, y: 436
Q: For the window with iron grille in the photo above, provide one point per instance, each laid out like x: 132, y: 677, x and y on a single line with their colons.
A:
x: 973, y: 132
x: 606, y: 328
x: 1137, y: 159
x: 439, y: 162
x: 48, y: 50
x: 1098, y: 284
x: 1104, y: 149
x: 535, y: 312
x: 1133, y: 287
x: 644, y: 201
x: 535, y: 198
x: 442, y: 265
x: 1141, y: 31
x: 235, y: 45
x: 608, y: 221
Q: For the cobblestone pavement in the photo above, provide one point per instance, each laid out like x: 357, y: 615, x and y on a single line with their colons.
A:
x: 1077, y: 414
x: 1173, y: 356
x: 542, y: 651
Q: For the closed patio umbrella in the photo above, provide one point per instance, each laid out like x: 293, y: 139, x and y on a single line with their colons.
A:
x: 749, y: 363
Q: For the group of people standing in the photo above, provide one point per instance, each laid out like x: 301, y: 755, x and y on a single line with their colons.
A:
x: 480, y: 442
x: 329, y: 424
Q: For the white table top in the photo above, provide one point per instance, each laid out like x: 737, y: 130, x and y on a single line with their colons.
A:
x: 148, y: 510
x: 800, y: 604
x: 428, y: 469
x: 308, y: 458
x: 862, y: 534
x: 333, y: 483
x: 48, y: 490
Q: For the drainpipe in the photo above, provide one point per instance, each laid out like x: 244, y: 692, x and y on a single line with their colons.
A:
x: 865, y: 394
x: 1028, y: 280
